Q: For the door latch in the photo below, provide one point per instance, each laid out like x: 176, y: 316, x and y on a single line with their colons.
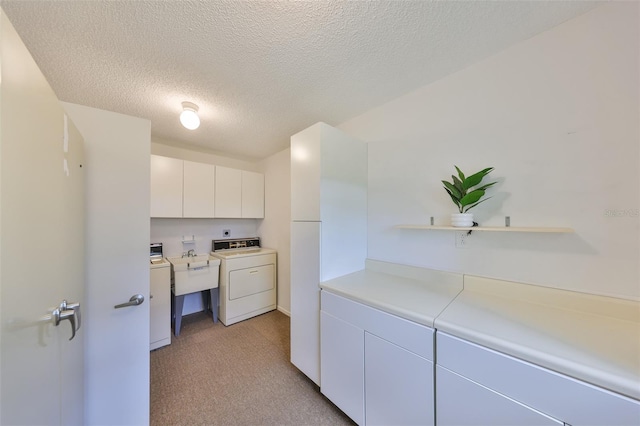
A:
x: 76, y: 307
x: 70, y: 312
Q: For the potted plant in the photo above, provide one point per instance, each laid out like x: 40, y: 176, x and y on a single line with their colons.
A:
x: 466, y: 193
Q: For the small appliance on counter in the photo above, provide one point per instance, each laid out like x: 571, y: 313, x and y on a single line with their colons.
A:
x: 247, y: 278
x: 156, y: 255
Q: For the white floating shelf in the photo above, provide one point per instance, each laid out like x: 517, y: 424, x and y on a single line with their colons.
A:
x: 488, y: 228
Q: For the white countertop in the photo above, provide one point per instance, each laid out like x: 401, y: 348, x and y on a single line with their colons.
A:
x: 591, y: 338
x: 159, y: 263
x: 415, y: 294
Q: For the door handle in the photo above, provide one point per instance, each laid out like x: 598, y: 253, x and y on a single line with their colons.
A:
x: 135, y: 300
x: 69, y: 314
x: 76, y: 307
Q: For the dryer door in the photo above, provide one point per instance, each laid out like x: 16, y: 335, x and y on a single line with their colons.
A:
x: 248, y: 281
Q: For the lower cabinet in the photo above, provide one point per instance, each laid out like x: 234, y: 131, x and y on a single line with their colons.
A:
x: 342, y: 365
x: 463, y: 402
x: 160, y: 307
x: 375, y: 367
x: 476, y: 385
x: 398, y: 385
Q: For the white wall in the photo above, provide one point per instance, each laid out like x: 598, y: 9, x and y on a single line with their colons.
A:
x: 168, y: 148
x: 117, y: 149
x: 557, y: 116
x: 275, y: 229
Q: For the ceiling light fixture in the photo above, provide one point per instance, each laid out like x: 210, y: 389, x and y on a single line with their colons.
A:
x: 189, y: 116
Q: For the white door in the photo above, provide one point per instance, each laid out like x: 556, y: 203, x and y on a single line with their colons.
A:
x: 117, y: 264
x: 41, y: 250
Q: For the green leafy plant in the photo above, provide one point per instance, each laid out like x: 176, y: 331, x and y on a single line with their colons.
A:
x: 465, y: 192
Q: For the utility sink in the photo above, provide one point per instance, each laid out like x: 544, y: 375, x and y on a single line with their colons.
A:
x: 184, y: 261
x: 194, y: 273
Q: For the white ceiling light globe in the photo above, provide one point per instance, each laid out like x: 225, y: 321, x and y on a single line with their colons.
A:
x: 189, y: 116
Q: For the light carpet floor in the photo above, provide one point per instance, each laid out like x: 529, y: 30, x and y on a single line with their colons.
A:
x: 236, y: 375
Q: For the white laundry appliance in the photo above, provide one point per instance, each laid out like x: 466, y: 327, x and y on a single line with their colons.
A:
x: 247, y: 278
x: 328, y: 228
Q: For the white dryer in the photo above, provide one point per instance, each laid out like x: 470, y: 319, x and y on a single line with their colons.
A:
x: 247, y: 279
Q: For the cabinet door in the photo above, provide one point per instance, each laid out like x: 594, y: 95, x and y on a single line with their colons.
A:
x: 228, y: 193
x: 252, y: 195
x: 305, y: 174
x: 198, y: 189
x: 342, y: 365
x: 461, y: 402
x: 305, y: 298
x: 398, y: 385
x: 160, y: 308
x: 166, y: 186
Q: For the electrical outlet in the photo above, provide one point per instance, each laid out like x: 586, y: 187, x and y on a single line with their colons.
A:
x: 461, y: 239
x: 226, y: 233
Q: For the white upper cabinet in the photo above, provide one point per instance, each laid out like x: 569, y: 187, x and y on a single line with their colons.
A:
x: 239, y: 194
x: 228, y: 193
x: 305, y: 174
x: 252, y: 195
x: 198, y: 194
x: 166, y: 186
x: 181, y: 188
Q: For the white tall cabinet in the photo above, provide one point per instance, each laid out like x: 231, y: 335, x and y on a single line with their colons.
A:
x: 328, y: 229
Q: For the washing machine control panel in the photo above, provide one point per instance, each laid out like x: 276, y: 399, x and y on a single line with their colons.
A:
x: 242, y: 243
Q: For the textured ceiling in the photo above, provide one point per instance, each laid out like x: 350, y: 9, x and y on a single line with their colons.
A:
x: 262, y: 71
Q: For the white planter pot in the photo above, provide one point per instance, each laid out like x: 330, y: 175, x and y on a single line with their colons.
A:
x: 462, y: 220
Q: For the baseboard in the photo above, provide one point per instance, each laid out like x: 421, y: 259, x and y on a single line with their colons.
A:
x: 284, y: 311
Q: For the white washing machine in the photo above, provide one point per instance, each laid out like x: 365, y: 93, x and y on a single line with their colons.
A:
x: 247, y: 279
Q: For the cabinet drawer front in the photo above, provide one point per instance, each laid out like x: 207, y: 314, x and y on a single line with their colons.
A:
x: 407, y: 334
x: 246, y: 282
x: 460, y: 401
x: 562, y: 397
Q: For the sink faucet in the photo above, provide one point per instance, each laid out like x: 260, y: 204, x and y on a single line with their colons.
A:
x: 190, y: 253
